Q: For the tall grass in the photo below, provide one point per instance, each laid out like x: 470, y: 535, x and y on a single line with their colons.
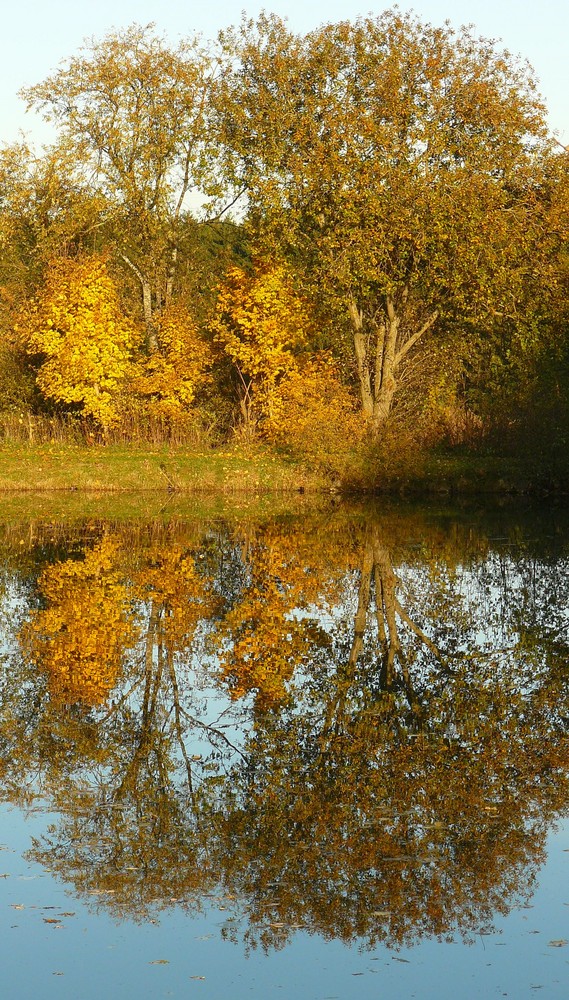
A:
x: 25, y: 428
x: 31, y: 429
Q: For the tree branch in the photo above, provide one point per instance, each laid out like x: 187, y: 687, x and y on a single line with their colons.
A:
x: 413, y: 340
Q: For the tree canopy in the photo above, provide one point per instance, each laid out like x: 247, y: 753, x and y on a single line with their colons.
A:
x: 374, y: 210
x: 396, y: 164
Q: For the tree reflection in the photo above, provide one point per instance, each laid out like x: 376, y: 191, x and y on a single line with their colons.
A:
x: 82, y: 633
x: 375, y: 752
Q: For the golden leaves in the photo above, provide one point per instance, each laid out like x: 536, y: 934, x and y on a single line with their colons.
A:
x: 167, y: 380
x: 262, y: 638
x: 80, y: 636
x: 76, y: 324
x: 183, y: 595
x: 259, y: 324
x: 314, y: 415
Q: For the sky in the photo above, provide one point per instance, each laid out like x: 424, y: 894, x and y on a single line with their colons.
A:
x: 36, y: 36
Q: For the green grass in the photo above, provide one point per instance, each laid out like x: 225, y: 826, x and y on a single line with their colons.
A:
x: 127, y: 469
x: 163, y: 474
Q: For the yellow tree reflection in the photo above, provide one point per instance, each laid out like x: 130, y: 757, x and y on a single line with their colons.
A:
x: 80, y: 637
x: 267, y: 634
x: 402, y: 787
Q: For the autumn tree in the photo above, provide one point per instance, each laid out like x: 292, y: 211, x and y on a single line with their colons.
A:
x: 260, y: 324
x: 167, y: 381
x: 524, y: 388
x: 43, y: 213
x: 395, y: 163
x: 134, y: 112
x: 74, y: 325
x: 314, y: 414
x: 45, y: 210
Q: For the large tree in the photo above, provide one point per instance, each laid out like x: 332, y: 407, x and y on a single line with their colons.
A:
x: 135, y: 112
x: 396, y: 163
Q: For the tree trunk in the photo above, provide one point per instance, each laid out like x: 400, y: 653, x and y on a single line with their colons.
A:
x: 151, y: 335
x: 378, y: 353
x: 385, y: 366
x: 362, y: 360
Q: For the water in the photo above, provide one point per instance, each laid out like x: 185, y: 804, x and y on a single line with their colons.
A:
x: 312, y: 758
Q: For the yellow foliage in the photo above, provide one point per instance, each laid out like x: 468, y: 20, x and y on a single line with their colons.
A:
x: 75, y: 322
x: 262, y: 640
x: 80, y: 637
x: 182, y: 596
x: 314, y: 416
x: 260, y: 322
x: 168, y: 379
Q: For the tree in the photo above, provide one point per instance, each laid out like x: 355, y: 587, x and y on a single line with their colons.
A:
x: 260, y: 323
x: 395, y: 163
x: 43, y: 213
x: 135, y: 114
x: 167, y: 381
x: 314, y: 414
x: 44, y: 210
x: 524, y: 392
x: 75, y: 325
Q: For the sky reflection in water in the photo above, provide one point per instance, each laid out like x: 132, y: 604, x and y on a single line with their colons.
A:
x: 244, y: 792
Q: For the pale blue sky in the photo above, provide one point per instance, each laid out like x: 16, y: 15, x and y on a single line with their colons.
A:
x: 37, y: 34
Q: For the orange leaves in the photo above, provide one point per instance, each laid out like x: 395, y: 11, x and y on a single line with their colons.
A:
x: 259, y: 323
x: 313, y: 414
x: 392, y: 162
x: 264, y: 327
x: 81, y: 635
x: 95, y: 611
x: 183, y: 595
x: 76, y: 324
x: 168, y: 379
x: 263, y: 638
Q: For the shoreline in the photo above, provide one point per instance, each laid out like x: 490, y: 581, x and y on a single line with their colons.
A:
x: 115, y: 470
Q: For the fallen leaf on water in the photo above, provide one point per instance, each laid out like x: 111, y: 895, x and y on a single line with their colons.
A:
x: 160, y: 961
x: 51, y: 920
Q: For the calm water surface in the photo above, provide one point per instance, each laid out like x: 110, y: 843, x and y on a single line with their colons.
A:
x: 312, y: 757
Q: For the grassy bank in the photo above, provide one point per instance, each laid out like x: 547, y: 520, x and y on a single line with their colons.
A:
x: 238, y: 472
x: 128, y: 469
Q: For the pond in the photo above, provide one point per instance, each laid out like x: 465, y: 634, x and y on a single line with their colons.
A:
x: 314, y: 755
